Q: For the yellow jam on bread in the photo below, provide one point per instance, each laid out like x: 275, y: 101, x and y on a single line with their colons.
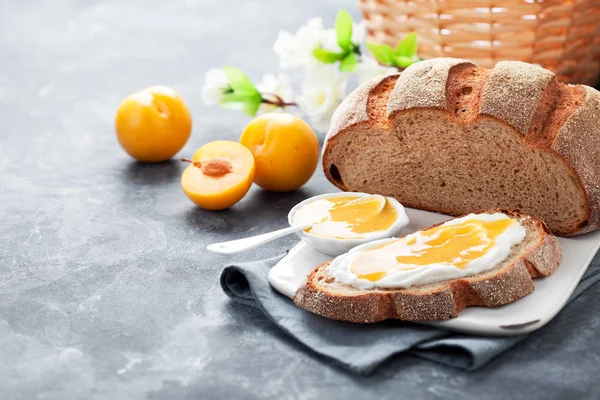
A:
x: 457, y: 244
x: 346, y: 217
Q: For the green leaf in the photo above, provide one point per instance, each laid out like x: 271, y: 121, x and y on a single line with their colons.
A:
x: 249, y: 104
x: 232, y: 98
x: 326, y: 56
x: 227, y: 99
x: 252, y: 105
x: 239, y: 82
x: 343, y: 29
x: 349, y: 63
x: 384, y: 53
x: 404, y: 62
x: 408, y: 46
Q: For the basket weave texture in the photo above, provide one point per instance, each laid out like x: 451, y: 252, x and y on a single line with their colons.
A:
x: 563, y: 36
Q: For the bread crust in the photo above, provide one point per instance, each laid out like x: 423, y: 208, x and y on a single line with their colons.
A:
x: 423, y: 87
x: 437, y: 301
x: 354, y: 110
x: 578, y: 142
x: 513, y: 94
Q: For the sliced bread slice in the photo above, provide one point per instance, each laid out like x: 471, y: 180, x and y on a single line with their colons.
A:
x: 537, y: 255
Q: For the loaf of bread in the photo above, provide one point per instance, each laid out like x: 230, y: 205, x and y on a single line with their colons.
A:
x: 449, y: 136
x: 537, y: 255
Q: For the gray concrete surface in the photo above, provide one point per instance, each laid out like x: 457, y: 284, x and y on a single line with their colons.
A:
x: 106, y: 291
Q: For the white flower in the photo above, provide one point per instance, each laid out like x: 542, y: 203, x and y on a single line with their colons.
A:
x: 322, y: 91
x: 297, y: 50
x: 215, y: 83
x: 369, y: 68
x: 279, y: 85
x: 329, y: 37
x: 329, y: 40
x: 359, y: 32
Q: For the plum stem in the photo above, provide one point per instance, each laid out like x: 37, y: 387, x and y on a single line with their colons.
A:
x: 278, y: 102
x: 196, y: 163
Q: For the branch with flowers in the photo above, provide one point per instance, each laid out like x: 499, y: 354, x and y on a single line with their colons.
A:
x: 326, y: 59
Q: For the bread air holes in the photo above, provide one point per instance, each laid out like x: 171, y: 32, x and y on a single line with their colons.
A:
x: 334, y: 172
x: 467, y: 90
x: 459, y: 111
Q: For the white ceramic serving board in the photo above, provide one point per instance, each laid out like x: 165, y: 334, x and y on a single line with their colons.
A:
x: 525, y: 315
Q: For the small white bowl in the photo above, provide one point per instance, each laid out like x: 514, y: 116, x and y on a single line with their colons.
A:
x: 335, y: 246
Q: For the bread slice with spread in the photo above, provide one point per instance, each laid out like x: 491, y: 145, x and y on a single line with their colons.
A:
x: 451, y: 137
x: 460, y: 263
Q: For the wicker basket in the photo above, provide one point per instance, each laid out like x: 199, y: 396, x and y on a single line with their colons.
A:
x: 563, y: 36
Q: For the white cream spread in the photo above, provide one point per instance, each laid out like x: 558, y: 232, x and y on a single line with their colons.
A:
x: 349, y: 216
x: 458, y: 248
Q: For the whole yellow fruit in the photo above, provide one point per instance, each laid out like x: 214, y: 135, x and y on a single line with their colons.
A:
x: 285, y: 149
x: 153, y: 124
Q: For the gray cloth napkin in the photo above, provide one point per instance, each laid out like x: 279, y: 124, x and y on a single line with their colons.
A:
x: 361, y: 348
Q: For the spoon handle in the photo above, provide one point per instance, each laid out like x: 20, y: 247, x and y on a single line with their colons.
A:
x: 239, y: 245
